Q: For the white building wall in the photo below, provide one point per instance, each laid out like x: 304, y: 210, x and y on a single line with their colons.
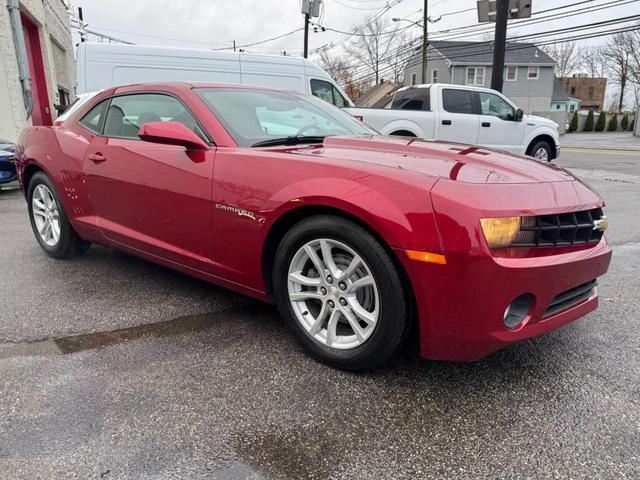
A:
x: 55, y: 33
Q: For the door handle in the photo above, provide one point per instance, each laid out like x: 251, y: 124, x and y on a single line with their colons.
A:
x: 446, y: 122
x: 486, y: 124
x: 97, y: 157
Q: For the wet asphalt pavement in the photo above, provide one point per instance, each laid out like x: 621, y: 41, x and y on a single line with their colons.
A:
x: 112, y: 367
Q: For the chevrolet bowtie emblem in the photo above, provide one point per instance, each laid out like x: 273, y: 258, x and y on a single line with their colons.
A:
x: 601, y: 224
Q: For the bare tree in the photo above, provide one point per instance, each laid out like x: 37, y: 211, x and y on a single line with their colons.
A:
x: 401, y: 56
x: 372, y: 43
x: 630, y: 42
x: 619, y: 60
x: 592, y: 60
x: 339, y: 69
x: 567, y: 56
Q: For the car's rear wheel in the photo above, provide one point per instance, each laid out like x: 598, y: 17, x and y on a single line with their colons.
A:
x: 340, y: 293
x: 49, y: 220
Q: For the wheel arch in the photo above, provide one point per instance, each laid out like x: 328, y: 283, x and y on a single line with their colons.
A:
x: 290, y: 218
x: 547, y: 138
x: 27, y: 174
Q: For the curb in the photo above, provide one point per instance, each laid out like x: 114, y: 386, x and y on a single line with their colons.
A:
x: 633, y: 148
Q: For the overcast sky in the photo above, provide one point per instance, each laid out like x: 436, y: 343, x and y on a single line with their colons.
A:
x: 216, y: 23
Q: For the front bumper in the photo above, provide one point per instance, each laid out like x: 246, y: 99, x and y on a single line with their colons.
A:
x: 462, y: 304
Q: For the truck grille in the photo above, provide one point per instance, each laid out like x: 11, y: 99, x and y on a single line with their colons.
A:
x: 575, y: 228
x: 570, y: 298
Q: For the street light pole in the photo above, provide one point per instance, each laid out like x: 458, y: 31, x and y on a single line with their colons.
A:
x: 424, y: 43
x: 500, y: 40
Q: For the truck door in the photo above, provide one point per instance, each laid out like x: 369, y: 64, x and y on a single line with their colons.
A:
x: 457, y: 120
x: 498, y: 126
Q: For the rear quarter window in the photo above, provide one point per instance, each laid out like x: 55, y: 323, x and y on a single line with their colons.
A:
x: 93, y: 119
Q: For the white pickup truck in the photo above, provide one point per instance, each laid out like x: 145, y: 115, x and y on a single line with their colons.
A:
x: 471, y: 115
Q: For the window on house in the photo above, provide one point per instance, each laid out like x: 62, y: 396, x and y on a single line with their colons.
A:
x: 557, y: 107
x: 573, y: 90
x: 512, y: 74
x: 414, y: 78
x: 533, y: 73
x: 590, y: 92
x: 63, y: 100
x: 434, y: 75
x: 475, y: 76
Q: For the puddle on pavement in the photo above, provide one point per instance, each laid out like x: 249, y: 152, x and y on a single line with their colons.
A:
x: 91, y: 341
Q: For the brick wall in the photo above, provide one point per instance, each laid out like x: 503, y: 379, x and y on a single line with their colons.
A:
x: 58, y: 59
x: 590, y: 91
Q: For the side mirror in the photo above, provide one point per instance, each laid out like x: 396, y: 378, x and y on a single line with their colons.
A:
x: 171, y: 133
x: 519, y: 115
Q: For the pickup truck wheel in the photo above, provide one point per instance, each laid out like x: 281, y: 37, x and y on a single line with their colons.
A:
x: 541, y: 150
x: 49, y: 220
x: 402, y: 133
x: 340, y: 293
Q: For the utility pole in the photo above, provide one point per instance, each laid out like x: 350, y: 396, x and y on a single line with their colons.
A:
x: 306, y: 35
x: 81, y: 18
x: 500, y: 39
x: 424, y: 42
x: 310, y: 9
x: 234, y: 45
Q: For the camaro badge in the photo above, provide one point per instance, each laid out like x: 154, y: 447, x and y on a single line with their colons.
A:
x: 601, y: 224
x: 238, y: 211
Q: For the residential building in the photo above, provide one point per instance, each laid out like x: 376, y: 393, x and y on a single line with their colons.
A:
x: 377, y: 95
x: 560, y: 101
x: 528, y: 73
x: 49, y: 49
x: 589, y: 90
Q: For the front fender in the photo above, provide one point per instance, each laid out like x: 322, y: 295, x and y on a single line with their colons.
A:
x: 540, y: 131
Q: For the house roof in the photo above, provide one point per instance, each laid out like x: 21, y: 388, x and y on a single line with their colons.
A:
x: 559, y: 95
x: 481, y: 53
x: 373, y: 91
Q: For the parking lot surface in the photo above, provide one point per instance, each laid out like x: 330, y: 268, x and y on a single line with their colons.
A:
x: 112, y: 367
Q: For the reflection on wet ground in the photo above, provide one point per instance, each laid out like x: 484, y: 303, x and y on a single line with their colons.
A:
x: 89, y: 341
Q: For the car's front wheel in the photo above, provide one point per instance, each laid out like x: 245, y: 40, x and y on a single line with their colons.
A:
x: 340, y: 293
x: 542, y: 151
x: 49, y: 220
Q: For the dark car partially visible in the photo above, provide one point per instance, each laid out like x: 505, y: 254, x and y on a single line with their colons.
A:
x: 7, y: 163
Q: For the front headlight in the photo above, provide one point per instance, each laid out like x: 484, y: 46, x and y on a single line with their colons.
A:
x: 500, y: 232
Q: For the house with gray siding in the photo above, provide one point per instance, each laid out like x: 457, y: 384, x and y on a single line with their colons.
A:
x: 528, y: 73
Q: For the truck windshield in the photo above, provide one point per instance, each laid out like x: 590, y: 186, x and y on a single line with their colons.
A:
x: 412, y: 99
x: 256, y: 117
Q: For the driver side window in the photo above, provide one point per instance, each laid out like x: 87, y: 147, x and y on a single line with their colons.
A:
x: 127, y: 113
x: 327, y: 92
x: 496, y: 106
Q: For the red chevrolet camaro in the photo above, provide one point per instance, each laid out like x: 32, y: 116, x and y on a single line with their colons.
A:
x: 355, y: 236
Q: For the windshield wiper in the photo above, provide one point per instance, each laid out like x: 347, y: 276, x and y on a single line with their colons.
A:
x: 291, y: 140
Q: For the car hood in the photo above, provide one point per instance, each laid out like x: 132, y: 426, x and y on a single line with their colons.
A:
x: 454, y: 161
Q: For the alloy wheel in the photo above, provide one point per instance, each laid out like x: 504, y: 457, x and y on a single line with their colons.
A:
x: 333, y: 294
x: 542, y: 154
x: 46, y: 215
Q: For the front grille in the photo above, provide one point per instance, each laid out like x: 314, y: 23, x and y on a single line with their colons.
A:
x: 575, y: 228
x: 570, y: 298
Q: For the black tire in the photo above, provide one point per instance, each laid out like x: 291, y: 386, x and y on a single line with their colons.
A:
x: 393, y: 323
x: 69, y: 244
x: 544, y: 145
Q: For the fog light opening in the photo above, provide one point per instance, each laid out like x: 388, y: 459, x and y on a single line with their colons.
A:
x: 516, y: 313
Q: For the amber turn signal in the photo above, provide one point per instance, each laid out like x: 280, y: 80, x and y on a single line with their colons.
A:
x: 500, y: 232
x: 426, y: 257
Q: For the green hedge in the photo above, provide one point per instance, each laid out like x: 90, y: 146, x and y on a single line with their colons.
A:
x: 613, y: 123
x: 573, y: 126
x: 602, y: 122
x: 625, y: 122
x: 588, y: 126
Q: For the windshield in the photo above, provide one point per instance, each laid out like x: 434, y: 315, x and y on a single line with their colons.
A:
x: 257, y: 116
